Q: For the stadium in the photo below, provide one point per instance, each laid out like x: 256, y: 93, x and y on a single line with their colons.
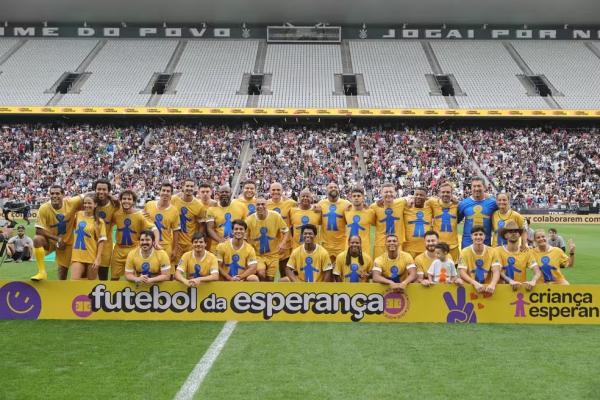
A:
x: 238, y: 200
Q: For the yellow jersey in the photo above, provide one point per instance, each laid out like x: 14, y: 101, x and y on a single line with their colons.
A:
x: 550, y: 262
x: 87, y: 234
x: 333, y: 225
x: 445, y: 220
x: 190, y: 212
x: 236, y: 260
x: 395, y: 269
x: 248, y: 205
x: 299, y: 218
x: 358, y: 223
x: 129, y: 227
x: 151, y: 266
x: 417, y: 221
x: 423, y: 262
x: 266, y: 234
x: 514, y: 265
x: 283, y: 208
x: 353, y: 271
x: 310, y: 267
x: 60, y: 222
x: 105, y: 213
x: 389, y: 221
x: 165, y: 220
x: 224, y: 216
x: 479, y: 266
x: 498, y: 222
x: 193, y: 267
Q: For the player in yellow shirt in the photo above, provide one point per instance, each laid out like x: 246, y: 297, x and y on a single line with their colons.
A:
x: 145, y: 264
x: 478, y: 264
x: 191, y: 214
x: 423, y: 261
x: 283, y: 207
x: 90, y: 238
x: 198, y: 265
x: 247, y: 198
x: 445, y: 218
x: 302, y: 215
x: 389, y: 217
x: 417, y: 221
x: 360, y: 219
x: 54, y: 231
x: 129, y: 223
x: 219, y: 219
x: 501, y: 216
x: 353, y: 265
x: 551, y: 259
x: 106, y: 206
x: 205, y: 196
x: 237, y: 258
x: 513, y: 260
x: 394, y: 268
x: 269, y: 235
x: 309, y: 262
x: 165, y: 217
x: 333, y: 223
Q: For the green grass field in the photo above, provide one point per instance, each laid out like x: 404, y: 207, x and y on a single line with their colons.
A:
x: 151, y: 360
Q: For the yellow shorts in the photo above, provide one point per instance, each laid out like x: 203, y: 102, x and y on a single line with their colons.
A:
x: 63, y: 257
x: 455, y: 254
x: 118, y: 259
x: 413, y: 253
x: 106, y: 253
x: 268, y: 264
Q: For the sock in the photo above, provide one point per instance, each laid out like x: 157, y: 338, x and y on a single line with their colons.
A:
x: 40, y: 253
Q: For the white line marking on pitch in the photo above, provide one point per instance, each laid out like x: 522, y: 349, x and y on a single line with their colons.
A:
x: 196, y: 377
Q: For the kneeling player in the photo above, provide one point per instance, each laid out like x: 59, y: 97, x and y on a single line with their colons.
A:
x: 309, y: 262
x: 478, y: 264
x: 146, y: 264
x: 198, y: 265
x: 394, y: 268
x: 237, y: 258
x: 353, y: 265
x: 551, y: 259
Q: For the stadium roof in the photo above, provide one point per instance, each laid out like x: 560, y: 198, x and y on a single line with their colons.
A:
x: 305, y: 11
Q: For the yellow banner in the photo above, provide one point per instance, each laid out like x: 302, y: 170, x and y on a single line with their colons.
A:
x: 305, y: 112
x: 326, y: 302
x: 589, y: 219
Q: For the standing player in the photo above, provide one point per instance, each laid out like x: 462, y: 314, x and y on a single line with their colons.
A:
x: 500, y: 218
x: 309, y: 262
x: 360, y: 219
x: 90, y: 238
x: 417, y: 221
x: 423, y: 261
x: 269, y: 235
x: 513, y: 260
x: 395, y: 268
x: 302, y: 215
x: 54, y: 231
x: 146, y: 264
x: 106, y: 207
x: 191, y: 213
x: 389, y: 215
x: 283, y: 207
x: 477, y: 210
x: 237, y: 258
x: 352, y: 265
x: 551, y: 259
x: 165, y: 217
x: 478, y: 263
x: 445, y: 219
x: 219, y: 219
x: 198, y: 265
x: 205, y: 197
x: 333, y: 223
x: 247, y: 198
x: 129, y: 222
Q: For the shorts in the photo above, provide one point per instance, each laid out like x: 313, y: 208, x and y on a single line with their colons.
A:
x: 106, y: 253
x: 24, y: 255
x: 63, y: 257
x: 379, y: 251
x: 118, y: 260
x: 455, y: 254
x: 270, y: 264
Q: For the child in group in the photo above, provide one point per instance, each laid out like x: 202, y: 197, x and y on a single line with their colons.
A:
x: 442, y: 269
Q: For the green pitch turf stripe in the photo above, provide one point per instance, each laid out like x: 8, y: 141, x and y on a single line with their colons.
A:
x: 196, y: 377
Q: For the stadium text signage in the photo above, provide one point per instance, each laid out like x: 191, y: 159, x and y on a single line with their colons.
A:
x: 327, y: 302
x: 589, y: 219
x: 260, y: 32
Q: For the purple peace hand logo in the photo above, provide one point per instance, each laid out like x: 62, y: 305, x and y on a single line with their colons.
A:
x: 459, y: 311
x: 19, y: 300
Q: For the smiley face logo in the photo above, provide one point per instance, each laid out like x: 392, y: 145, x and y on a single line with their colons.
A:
x: 19, y: 300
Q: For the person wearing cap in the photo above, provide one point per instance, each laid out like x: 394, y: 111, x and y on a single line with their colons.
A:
x: 515, y: 261
x: 20, y: 247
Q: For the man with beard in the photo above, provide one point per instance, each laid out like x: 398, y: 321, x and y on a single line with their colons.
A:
x: 303, y: 214
x: 360, y: 219
x: 445, y: 219
x: 105, y: 209
x: 219, y: 219
x: 424, y: 260
x: 417, y: 221
x: 198, y: 265
x: 477, y: 210
x: 333, y: 223
x: 389, y: 217
x: 394, y: 268
x: 515, y: 261
x: 190, y: 215
x: 247, y: 198
x: 353, y: 265
x: 283, y: 207
x: 165, y: 217
x: 147, y: 265
x: 478, y: 264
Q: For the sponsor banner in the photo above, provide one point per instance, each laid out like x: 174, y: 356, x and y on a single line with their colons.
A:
x: 325, y: 302
x: 305, y: 112
x: 584, y: 219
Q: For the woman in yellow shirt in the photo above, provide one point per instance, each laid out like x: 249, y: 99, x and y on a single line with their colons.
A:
x: 89, y: 237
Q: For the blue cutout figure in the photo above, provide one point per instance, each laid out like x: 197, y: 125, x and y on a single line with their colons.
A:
x: 234, y: 267
x: 61, y: 225
x: 251, y: 209
x: 196, y: 273
x: 446, y: 218
x: 227, y: 227
x: 278, y: 210
x: 102, y: 216
x: 479, y: 271
x: 355, y: 227
x: 395, y: 275
x: 159, y: 225
x: 332, y: 217
x: 146, y: 269
x: 390, y: 220
x: 510, y: 269
x: 353, y: 275
x: 501, y: 240
x: 264, y: 240
x: 309, y: 269
x: 419, y: 224
x: 81, y: 235
x: 183, y: 219
x: 126, y: 231
x: 547, y: 269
